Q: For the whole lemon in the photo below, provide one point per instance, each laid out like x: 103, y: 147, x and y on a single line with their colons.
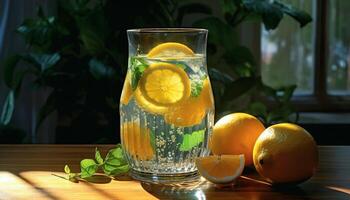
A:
x: 235, y: 134
x: 285, y: 153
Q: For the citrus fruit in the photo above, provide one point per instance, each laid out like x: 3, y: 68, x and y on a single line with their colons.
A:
x: 148, y: 106
x: 169, y: 50
x: 165, y: 84
x: 234, y: 134
x: 285, y: 153
x: 220, y: 169
x: 193, y: 110
x: 137, y: 140
x: 127, y: 90
x: 162, y: 85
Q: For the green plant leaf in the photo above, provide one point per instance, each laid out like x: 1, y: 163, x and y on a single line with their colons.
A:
x: 270, y: 13
x: 192, y: 139
x: 37, y: 32
x: 92, y: 42
x: 280, y: 114
x: 93, y: 29
x: 228, y: 7
x: 239, y: 55
x: 17, y: 80
x: 113, y: 170
x: 238, y: 88
x: 217, y: 75
x: 9, y: 69
x: 220, y: 32
x: 66, y: 169
x: 284, y: 94
x: 47, y: 109
x: 99, y: 70
x: 88, y: 167
x: 45, y: 61
x: 301, y: 16
x: 258, y: 109
x: 8, y: 108
x: 138, y: 66
x: 192, y: 8
x: 98, y: 156
x: 115, y: 162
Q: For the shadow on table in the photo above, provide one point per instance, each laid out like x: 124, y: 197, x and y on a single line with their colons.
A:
x: 193, y: 190
x: 244, y: 188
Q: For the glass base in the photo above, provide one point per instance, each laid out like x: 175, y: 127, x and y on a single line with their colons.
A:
x: 165, y: 178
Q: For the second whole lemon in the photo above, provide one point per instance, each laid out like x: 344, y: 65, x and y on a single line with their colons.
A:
x: 285, y: 153
x: 236, y: 134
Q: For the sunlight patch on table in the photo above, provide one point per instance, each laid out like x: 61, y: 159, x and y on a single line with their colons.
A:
x: 339, y: 189
x: 13, y: 187
x: 62, y: 188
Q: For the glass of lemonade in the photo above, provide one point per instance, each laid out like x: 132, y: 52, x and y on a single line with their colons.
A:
x: 166, y: 106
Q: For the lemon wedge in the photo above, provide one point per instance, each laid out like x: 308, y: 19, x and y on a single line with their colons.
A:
x: 221, y: 169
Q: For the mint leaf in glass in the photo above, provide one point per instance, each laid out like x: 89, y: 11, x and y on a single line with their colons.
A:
x: 192, y: 139
x: 138, y: 66
x: 88, y: 167
x: 197, y: 83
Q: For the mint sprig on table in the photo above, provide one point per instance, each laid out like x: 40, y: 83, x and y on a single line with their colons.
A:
x: 113, y: 164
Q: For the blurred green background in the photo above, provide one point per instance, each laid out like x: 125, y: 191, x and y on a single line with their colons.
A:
x: 76, y: 57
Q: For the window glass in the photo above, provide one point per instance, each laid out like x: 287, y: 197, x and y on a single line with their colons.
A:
x: 288, y: 52
x: 338, y: 68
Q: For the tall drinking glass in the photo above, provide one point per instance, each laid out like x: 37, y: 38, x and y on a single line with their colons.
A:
x: 166, y: 106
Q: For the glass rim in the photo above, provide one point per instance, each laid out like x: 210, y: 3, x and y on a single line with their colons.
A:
x: 167, y: 30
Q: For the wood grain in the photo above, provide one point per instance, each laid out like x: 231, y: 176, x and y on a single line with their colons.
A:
x: 26, y: 172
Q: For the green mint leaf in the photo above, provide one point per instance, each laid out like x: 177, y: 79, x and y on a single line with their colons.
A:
x: 88, y: 167
x: 115, y: 162
x: 191, y: 140
x: 66, y: 169
x: 120, y: 170
x: 98, y: 157
x: 112, y: 170
x: 197, y: 85
x: 99, y: 70
x: 138, y: 66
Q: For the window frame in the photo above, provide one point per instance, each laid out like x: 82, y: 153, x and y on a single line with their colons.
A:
x: 319, y: 100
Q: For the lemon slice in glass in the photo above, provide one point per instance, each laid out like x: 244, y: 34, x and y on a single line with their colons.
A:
x: 170, y: 50
x: 193, y: 110
x: 164, y: 84
x: 127, y: 90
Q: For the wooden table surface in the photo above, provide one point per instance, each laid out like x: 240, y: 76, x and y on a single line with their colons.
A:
x: 26, y: 173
